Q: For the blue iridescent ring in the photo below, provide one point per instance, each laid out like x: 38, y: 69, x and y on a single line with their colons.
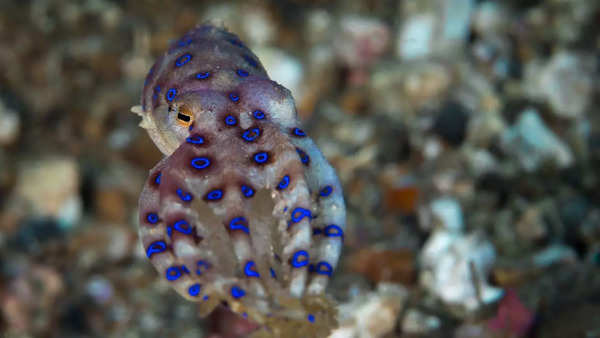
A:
x: 258, y: 114
x: 237, y: 292
x: 249, y: 271
x: 298, y: 132
x: 182, y: 226
x: 326, y: 191
x: 234, y: 97
x: 299, y: 213
x: 195, y: 139
x: 173, y: 273
x: 182, y: 60
x: 284, y: 183
x: 185, y: 196
x: 202, y: 76
x: 152, y: 217
x: 239, y: 223
x: 296, y: 259
x: 194, y: 290
x: 155, y: 248
x: 333, y: 230
x: 171, y: 93
x: 324, y: 268
x: 261, y: 157
x: 200, y: 162
x: 251, y: 134
x: 247, y: 191
x: 303, y: 156
x: 214, y: 195
x: 242, y: 73
x: 230, y: 120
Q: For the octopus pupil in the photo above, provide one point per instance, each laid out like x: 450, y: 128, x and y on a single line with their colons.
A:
x: 183, y: 117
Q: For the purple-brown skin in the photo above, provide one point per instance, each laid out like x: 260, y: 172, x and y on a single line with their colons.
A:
x: 244, y: 209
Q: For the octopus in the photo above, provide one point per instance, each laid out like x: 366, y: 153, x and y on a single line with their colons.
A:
x: 243, y: 209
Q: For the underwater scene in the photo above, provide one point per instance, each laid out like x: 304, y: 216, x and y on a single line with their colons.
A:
x: 300, y: 168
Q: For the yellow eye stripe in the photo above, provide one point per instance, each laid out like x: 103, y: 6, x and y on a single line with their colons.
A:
x: 184, y: 116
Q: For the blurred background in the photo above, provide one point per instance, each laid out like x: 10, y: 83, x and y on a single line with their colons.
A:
x: 466, y: 135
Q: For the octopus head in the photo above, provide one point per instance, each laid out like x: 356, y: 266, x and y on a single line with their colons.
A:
x: 170, y: 125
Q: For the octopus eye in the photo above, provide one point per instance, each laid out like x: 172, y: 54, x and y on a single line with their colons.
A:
x: 184, y: 116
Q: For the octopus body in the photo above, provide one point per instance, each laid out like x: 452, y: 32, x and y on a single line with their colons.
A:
x: 243, y: 209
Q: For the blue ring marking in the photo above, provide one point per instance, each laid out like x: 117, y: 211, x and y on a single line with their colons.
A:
x: 251, y: 134
x: 152, y: 218
x: 250, y: 61
x: 261, y: 157
x: 239, y: 223
x: 328, y: 269
x: 214, y: 195
x: 183, y: 226
x: 173, y: 273
x: 247, y: 191
x: 200, y: 162
x: 185, y: 269
x: 234, y: 97
x: 273, y: 273
x: 169, y: 231
x: 194, y: 290
x: 205, y: 298
x: 230, y: 120
x: 185, y: 196
x: 249, y: 271
x: 299, y: 213
x: 202, y: 76
x: 171, y: 93
x: 157, y: 178
x: 195, y: 139
x: 311, y: 318
x: 298, y: 132
x: 237, y: 292
x: 191, y: 126
x: 326, y: 191
x: 242, y: 73
x: 182, y: 60
x: 333, y: 230
x: 156, y: 247
x: 303, y: 156
x: 295, y: 259
x: 284, y: 183
x: 258, y: 114
x: 201, y: 264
